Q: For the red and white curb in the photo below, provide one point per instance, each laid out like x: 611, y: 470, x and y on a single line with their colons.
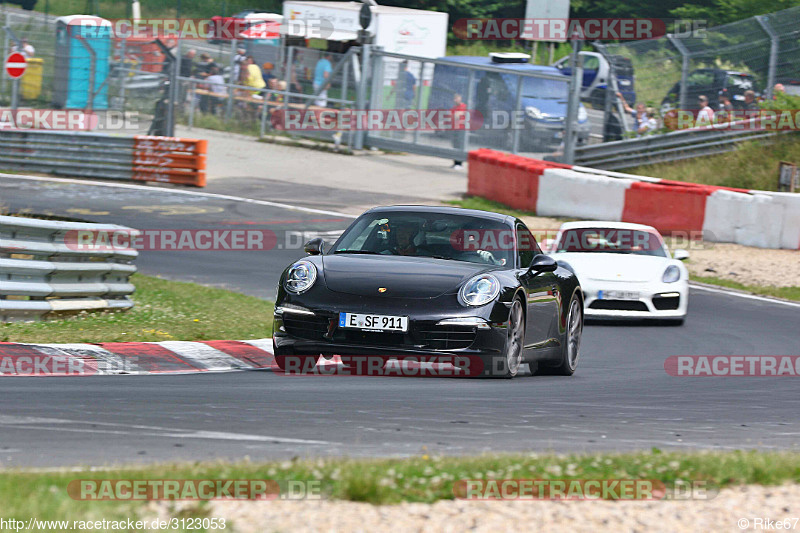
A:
x: 136, y: 358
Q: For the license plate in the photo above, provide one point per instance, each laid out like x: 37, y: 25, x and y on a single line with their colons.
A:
x: 373, y: 322
x: 618, y: 295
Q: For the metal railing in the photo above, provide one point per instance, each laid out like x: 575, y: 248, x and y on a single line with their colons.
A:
x: 42, y: 274
x: 98, y: 155
x: 672, y: 146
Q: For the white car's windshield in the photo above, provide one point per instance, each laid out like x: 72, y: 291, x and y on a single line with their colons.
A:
x: 611, y: 240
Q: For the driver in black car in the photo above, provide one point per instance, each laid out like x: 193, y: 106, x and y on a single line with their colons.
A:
x: 406, y: 231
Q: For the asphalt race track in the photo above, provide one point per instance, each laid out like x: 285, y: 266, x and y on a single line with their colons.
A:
x: 620, y: 398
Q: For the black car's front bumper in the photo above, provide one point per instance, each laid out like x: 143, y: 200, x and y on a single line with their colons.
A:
x: 300, y: 331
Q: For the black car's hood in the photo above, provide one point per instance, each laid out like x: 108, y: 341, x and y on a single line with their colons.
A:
x: 402, y: 277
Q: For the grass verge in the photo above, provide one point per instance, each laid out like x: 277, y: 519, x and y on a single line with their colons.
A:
x: 164, y: 311
x: 386, y: 481
x: 482, y: 204
x: 751, y: 166
x: 787, y: 293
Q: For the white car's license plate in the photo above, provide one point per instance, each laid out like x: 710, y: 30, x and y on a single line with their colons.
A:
x: 618, y: 295
x: 373, y: 322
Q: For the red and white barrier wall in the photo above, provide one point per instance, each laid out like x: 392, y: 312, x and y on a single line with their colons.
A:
x: 753, y: 218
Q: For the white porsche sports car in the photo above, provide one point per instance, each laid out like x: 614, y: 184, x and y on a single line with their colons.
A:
x: 625, y: 270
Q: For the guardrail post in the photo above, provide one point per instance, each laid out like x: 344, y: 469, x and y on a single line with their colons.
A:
x: 685, y: 55
x: 570, y: 135
x: 123, y: 73
x: 774, y: 41
x: 513, y: 121
x: 361, y: 96
x: 231, y: 81
x: 464, y: 144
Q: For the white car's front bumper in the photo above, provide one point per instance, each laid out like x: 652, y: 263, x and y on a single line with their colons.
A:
x: 655, y: 300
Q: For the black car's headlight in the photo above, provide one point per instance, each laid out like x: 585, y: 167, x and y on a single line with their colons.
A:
x: 301, y: 277
x: 479, y: 290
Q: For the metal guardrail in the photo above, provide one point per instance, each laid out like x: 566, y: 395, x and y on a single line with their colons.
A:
x: 42, y: 274
x: 98, y: 155
x: 672, y: 146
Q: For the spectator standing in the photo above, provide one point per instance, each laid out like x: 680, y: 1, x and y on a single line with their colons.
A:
x: 25, y: 48
x: 216, y: 83
x: 639, y: 115
x: 254, y: 78
x: 238, y: 60
x: 187, y: 64
x: 750, y: 103
x: 725, y: 109
x: 205, y: 65
x: 322, y: 74
x: 266, y: 72
x: 459, y: 111
x: 705, y: 116
x: 404, y: 87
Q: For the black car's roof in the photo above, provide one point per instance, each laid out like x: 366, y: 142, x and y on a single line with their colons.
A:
x: 445, y: 210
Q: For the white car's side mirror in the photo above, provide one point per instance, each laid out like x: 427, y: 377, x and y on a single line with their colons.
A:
x: 680, y: 254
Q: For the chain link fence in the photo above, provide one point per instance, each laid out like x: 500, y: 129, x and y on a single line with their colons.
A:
x: 751, y: 54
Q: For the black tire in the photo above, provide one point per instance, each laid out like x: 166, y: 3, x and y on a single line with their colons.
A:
x: 507, y: 365
x: 570, y: 351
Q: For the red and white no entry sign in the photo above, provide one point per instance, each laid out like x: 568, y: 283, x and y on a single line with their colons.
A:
x: 16, y: 65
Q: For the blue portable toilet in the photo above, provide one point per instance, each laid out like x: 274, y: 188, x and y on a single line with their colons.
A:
x: 83, y: 52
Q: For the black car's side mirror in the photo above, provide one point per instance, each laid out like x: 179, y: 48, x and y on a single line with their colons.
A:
x: 542, y: 263
x: 314, y: 246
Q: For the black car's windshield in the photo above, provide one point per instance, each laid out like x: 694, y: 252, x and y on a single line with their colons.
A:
x: 436, y: 235
x: 610, y: 240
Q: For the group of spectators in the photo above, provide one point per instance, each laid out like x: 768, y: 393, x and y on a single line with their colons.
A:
x: 646, y: 120
x: 260, y: 81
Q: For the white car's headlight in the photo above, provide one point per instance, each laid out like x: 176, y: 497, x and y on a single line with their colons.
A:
x: 671, y: 274
x: 582, y: 115
x: 301, y: 277
x: 480, y: 290
x: 533, y: 112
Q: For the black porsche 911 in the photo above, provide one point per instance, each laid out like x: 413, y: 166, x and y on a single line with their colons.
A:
x: 406, y: 281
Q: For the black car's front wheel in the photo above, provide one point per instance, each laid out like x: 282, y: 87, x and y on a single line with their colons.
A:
x: 507, y: 365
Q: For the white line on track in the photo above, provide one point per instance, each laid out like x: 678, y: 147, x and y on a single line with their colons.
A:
x: 179, y: 191
x: 57, y: 424
x: 744, y: 295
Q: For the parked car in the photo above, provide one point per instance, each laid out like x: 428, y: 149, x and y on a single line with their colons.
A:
x: 713, y: 83
x: 596, y: 76
x: 544, y: 101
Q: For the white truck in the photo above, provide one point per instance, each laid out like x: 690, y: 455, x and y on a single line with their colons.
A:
x: 397, y: 29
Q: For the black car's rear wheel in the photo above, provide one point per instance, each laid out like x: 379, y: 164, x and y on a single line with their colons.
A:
x: 571, y: 349
x: 507, y: 365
